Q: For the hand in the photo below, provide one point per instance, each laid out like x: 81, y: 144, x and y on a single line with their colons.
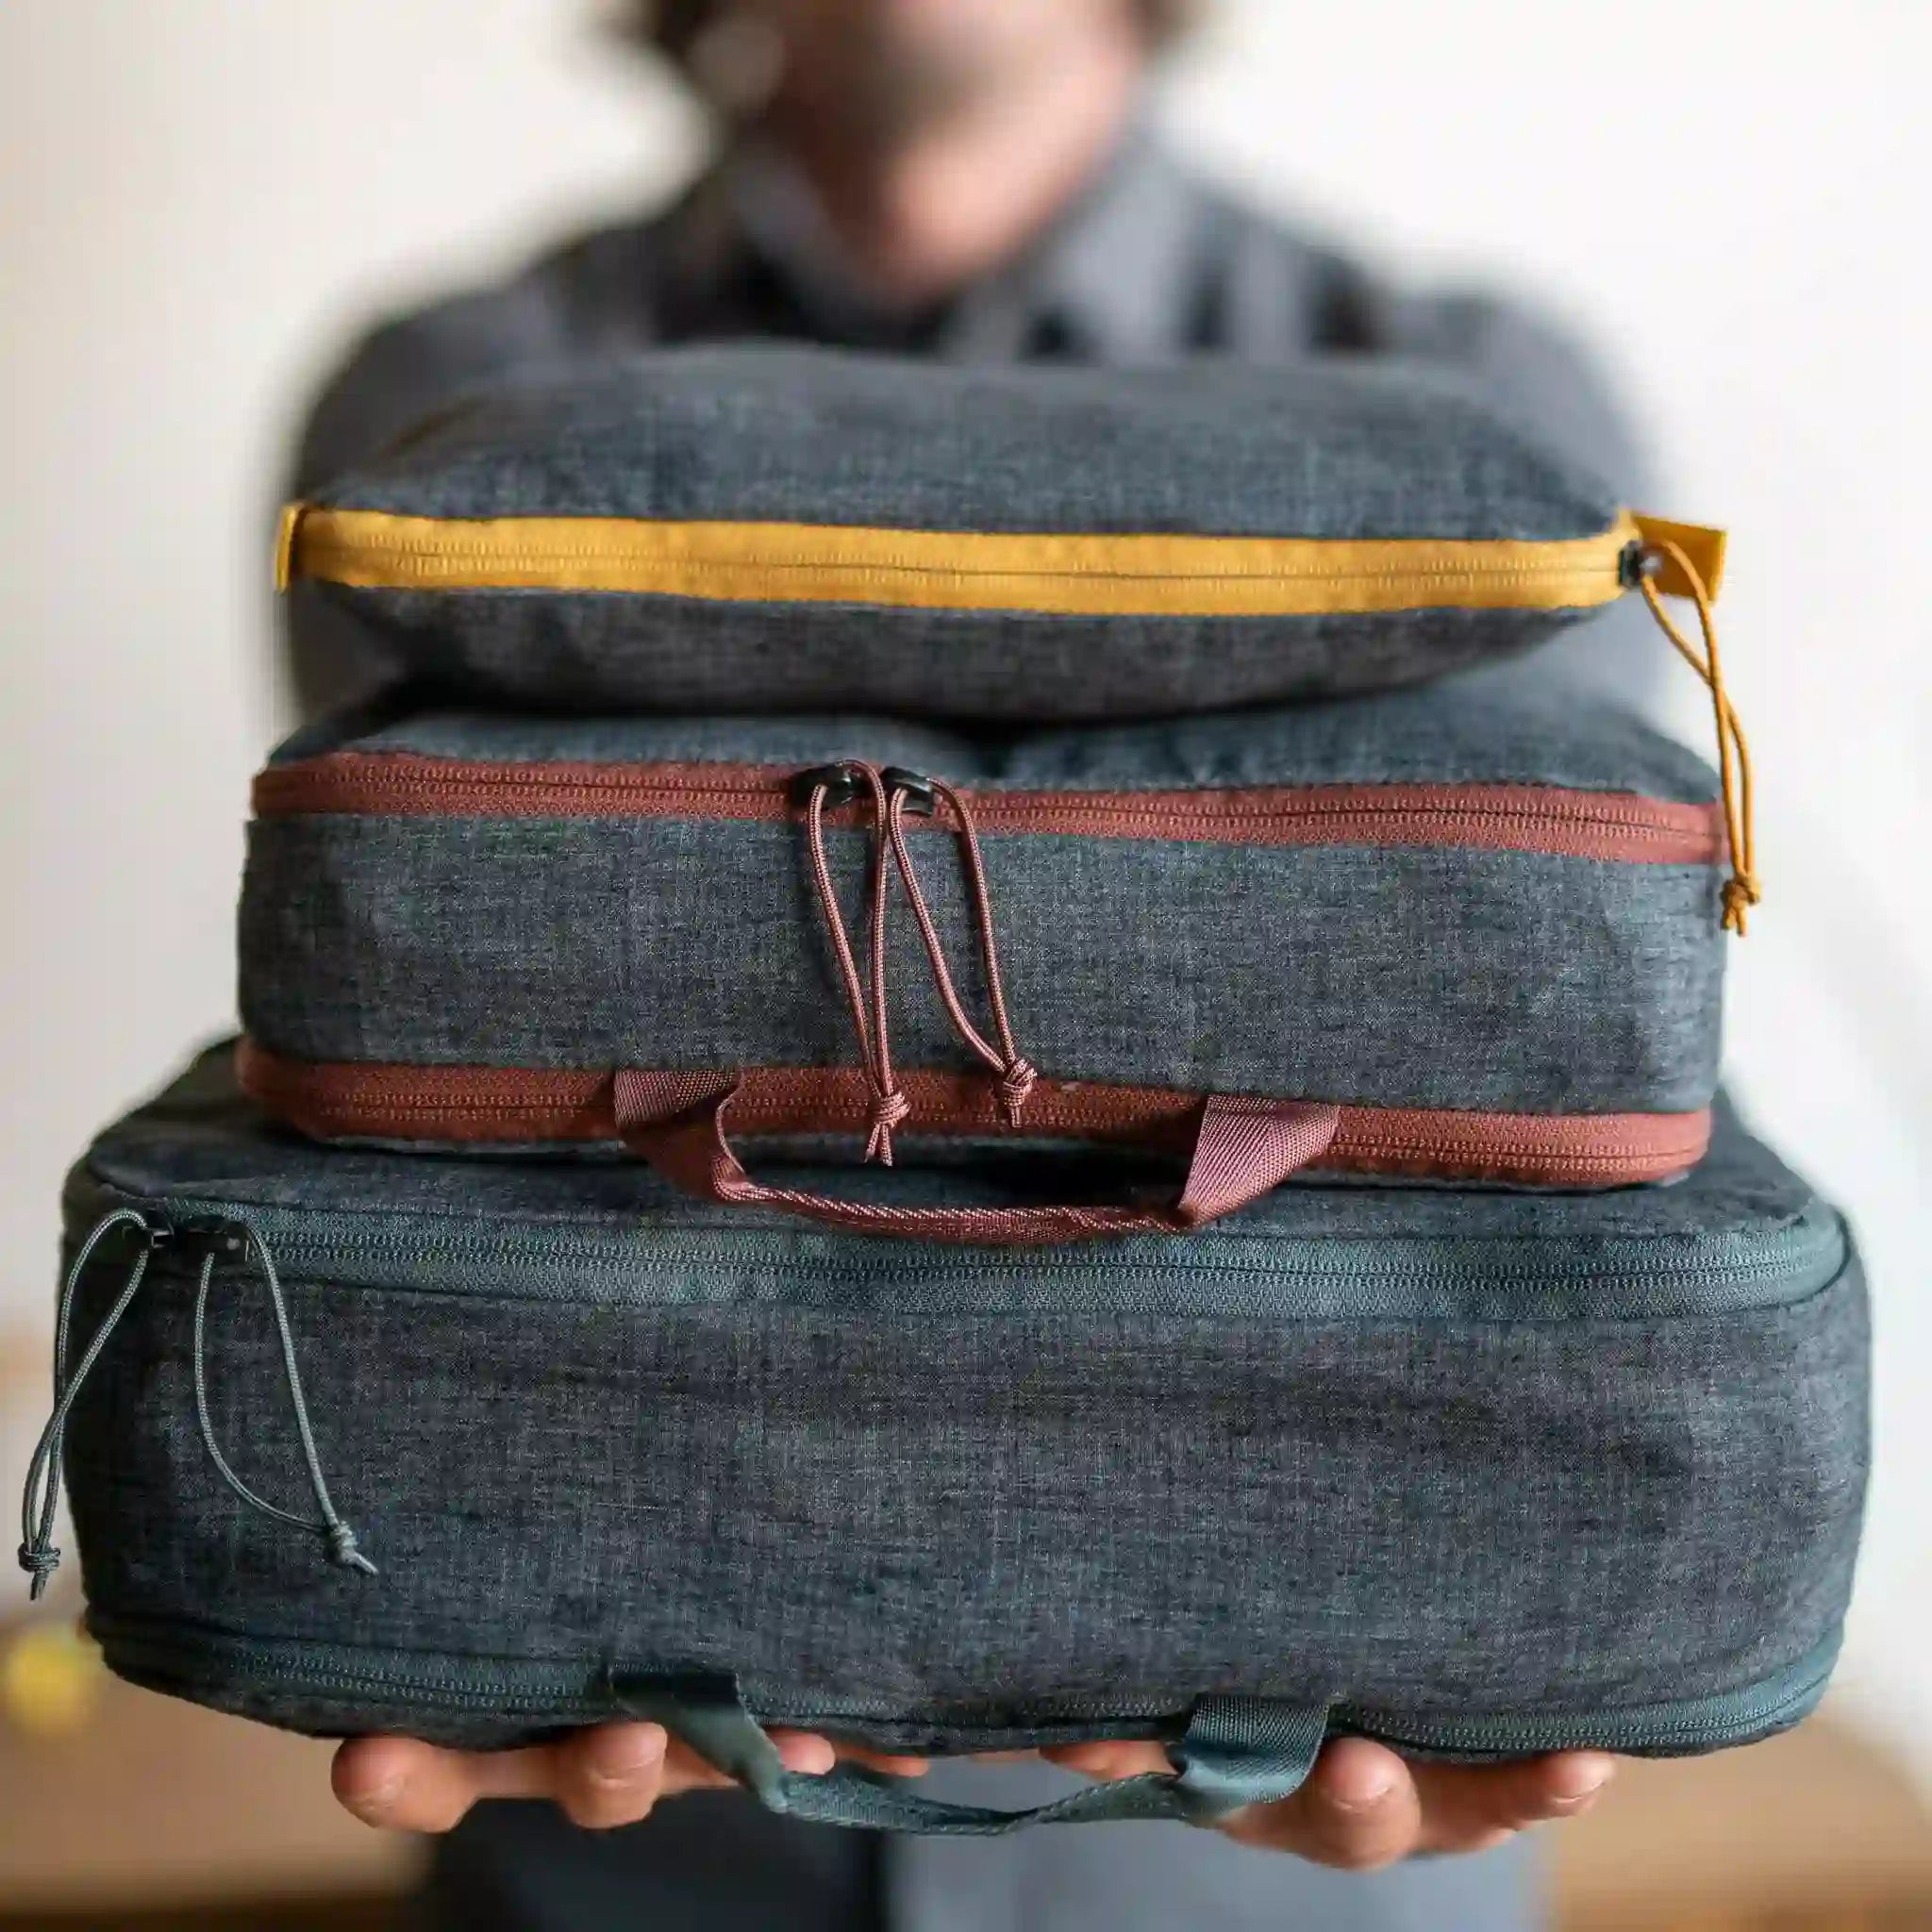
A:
x: 1363, y: 1807
x: 606, y: 1775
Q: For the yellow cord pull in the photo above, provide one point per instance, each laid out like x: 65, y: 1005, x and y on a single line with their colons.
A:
x: 1740, y: 891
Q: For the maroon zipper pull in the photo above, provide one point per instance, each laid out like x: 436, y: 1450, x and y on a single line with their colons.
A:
x: 842, y: 783
x: 920, y: 794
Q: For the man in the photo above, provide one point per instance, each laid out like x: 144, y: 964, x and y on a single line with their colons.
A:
x: 966, y: 179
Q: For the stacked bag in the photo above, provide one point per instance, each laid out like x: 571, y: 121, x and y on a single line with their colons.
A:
x: 913, y: 1082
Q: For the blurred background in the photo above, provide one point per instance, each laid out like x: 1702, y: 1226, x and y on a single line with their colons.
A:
x: 201, y: 201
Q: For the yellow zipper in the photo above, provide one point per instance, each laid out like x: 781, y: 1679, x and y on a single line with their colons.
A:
x: 1050, y: 573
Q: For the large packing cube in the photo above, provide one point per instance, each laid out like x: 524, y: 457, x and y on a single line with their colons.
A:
x: 779, y: 529
x: 1478, y: 1472
x: 1434, y: 933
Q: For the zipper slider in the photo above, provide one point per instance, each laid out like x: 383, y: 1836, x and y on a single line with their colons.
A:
x: 195, y: 1234
x: 841, y: 785
x: 922, y: 800
x: 1678, y: 556
x: 1637, y: 563
x: 286, y: 527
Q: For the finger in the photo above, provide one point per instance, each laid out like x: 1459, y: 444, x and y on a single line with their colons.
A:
x: 611, y: 1774
x: 805, y: 1751
x: 1359, y: 1808
x: 1467, y: 1807
x: 685, y: 1770
x: 1356, y: 1811
x: 890, y: 1763
x: 399, y: 1784
x: 1109, y: 1758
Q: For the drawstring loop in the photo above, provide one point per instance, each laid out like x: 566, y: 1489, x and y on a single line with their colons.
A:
x: 1016, y: 1073
x: 826, y: 788
x: 1742, y: 890
x: 339, y: 1538
x: 41, y: 1496
x: 867, y: 1002
x: 40, y: 1499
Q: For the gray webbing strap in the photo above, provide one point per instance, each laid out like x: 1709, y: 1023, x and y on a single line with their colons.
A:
x: 1236, y: 1751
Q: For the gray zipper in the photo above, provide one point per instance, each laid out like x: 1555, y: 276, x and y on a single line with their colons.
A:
x: 1291, y: 1279
x: 541, y: 1691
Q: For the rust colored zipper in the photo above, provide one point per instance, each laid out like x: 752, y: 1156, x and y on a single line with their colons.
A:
x: 468, y: 1106
x: 1617, y: 827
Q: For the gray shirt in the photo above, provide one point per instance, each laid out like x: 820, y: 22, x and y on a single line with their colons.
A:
x: 1149, y: 263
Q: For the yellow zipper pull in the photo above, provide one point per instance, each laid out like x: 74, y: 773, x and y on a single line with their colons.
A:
x: 1688, y: 560
x: 284, y: 542
x: 1702, y: 553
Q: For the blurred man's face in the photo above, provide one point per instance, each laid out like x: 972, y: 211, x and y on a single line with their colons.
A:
x: 911, y: 58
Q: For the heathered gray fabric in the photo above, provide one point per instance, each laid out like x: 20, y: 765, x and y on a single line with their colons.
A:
x: 1449, y: 977
x: 1433, y: 1520
x: 1451, y: 735
x: 561, y: 651
x: 1326, y: 448
x: 1330, y: 447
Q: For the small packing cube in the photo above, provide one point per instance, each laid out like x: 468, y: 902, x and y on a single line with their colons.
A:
x: 779, y: 529
x: 1477, y: 1472
x: 1431, y: 933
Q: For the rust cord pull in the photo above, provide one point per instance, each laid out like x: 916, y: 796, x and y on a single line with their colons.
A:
x: 1016, y: 1073
x: 866, y: 1001
x: 1742, y: 890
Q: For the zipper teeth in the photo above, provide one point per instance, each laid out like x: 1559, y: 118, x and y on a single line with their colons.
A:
x: 391, y: 1111
x: 1553, y: 1160
x: 442, y: 561
x: 546, y: 1688
x: 1804, y: 1254
x: 494, y: 1104
x: 514, y: 1249
x: 1748, y: 1711
x: 1077, y: 570
x: 461, y: 783
x: 1607, y: 826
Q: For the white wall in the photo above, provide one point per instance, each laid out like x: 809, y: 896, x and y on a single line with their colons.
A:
x: 195, y: 198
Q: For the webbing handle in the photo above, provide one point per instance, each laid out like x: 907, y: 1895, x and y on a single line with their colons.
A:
x: 1243, y: 1147
x: 1235, y: 1751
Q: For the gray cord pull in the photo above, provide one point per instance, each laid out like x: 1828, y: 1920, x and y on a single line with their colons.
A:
x: 41, y: 1497
x: 336, y: 1534
x: 38, y: 1556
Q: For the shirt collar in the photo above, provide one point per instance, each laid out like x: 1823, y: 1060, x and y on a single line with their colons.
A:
x: 1109, y: 278
x: 1114, y: 272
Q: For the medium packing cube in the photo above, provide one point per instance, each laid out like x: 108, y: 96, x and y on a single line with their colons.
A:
x: 1439, y: 933
x: 1477, y: 1472
x: 782, y: 528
